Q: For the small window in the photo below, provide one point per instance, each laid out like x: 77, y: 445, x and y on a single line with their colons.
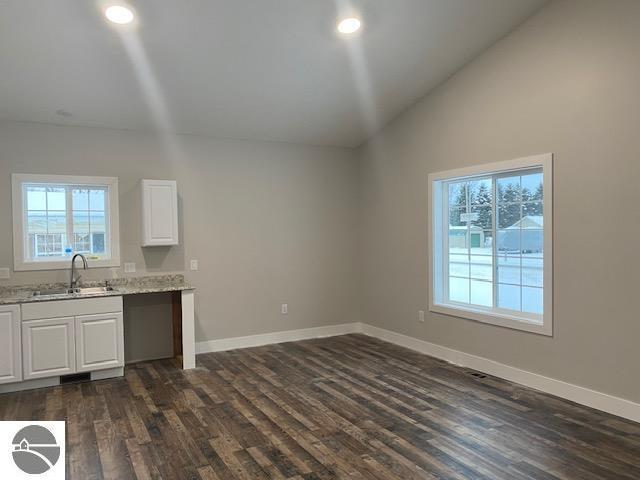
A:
x: 57, y: 216
x: 490, y: 241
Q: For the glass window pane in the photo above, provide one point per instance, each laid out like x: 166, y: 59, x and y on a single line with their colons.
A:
x: 532, y: 271
x: 476, y: 241
x: 80, y: 198
x: 481, y: 192
x: 459, y: 265
x: 98, y: 222
x: 80, y: 222
x: 508, y: 189
x: 81, y: 243
x: 481, y: 216
x: 457, y: 217
x: 509, y: 215
x: 532, y: 300
x: 509, y: 297
x: 37, y: 221
x: 97, y: 200
x: 36, y: 197
x: 481, y: 267
x: 457, y: 194
x: 532, y: 242
x: 48, y: 218
x: 496, y: 241
x: 488, y: 242
x: 481, y: 293
x: 458, y: 240
x: 57, y: 222
x: 532, y: 187
x: 98, y: 244
x: 459, y: 289
x: 508, y: 241
x: 509, y: 269
x: 48, y: 245
x: 532, y: 215
x: 56, y: 198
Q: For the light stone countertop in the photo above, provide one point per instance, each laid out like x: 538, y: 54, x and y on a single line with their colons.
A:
x: 121, y: 286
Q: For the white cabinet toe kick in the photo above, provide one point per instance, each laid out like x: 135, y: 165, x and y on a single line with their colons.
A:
x: 42, y: 343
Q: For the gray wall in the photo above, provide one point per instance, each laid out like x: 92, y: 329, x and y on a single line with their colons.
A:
x: 269, y: 223
x: 148, y: 327
x: 567, y: 81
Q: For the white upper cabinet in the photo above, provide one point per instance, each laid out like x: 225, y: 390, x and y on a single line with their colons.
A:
x: 159, y: 213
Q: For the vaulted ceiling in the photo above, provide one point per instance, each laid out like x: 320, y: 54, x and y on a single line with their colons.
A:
x: 252, y: 69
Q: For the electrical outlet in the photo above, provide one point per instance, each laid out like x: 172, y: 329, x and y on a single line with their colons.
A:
x: 4, y: 273
x: 129, y: 267
x: 194, y: 264
x: 421, y: 315
x: 285, y: 308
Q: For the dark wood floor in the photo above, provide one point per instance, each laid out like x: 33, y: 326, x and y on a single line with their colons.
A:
x: 343, y: 407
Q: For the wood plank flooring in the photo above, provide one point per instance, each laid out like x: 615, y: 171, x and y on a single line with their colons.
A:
x: 348, y: 407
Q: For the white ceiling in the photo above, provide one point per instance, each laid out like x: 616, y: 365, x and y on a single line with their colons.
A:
x: 251, y: 69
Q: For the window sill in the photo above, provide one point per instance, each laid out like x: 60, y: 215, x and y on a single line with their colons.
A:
x: 494, y: 318
x: 64, y: 265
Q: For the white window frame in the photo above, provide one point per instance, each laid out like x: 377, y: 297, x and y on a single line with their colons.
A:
x: 541, y: 324
x: 19, y: 200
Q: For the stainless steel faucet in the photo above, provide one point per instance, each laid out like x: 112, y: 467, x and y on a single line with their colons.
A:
x: 73, y: 281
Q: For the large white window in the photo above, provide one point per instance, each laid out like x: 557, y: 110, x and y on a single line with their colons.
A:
x: 56, y: 216
x: 490, y: 240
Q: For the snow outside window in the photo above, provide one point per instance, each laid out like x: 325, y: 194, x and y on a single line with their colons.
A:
x: 491, y: 243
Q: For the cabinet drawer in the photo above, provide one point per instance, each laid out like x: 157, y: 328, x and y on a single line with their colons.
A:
x: 69, y: 308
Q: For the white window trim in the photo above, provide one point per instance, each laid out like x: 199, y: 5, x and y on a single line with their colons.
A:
x: 518, y: 322
x: 19, y: 204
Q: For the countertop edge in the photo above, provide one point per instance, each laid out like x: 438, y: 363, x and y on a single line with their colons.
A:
x: 118, y: 292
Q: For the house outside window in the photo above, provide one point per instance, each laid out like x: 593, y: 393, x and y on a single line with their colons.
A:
x: 490, y: 243
x: 57, y: 216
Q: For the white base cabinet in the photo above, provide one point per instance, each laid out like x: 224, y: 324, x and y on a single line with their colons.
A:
x: 10, y: 351
x: 99, y: 341
x: 48, y: 347
x: 72, y: 336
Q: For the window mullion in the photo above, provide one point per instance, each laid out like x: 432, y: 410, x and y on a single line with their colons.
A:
x: 445, y: 242
x: 494, y: 243
x: 69, y: 213
x: 468, y: 239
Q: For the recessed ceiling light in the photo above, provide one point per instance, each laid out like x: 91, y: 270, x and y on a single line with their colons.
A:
x: 349, y: 25
x: 119, y: 14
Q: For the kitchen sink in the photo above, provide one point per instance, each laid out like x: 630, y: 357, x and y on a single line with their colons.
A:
x: 63, y: 292
x: 92, y: 290
x: 66, y: 292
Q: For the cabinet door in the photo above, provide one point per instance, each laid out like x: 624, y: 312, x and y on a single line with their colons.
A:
x: 10, y: 344
x: 159, y: 212
x: 48, y: 347
x: 99, y: 341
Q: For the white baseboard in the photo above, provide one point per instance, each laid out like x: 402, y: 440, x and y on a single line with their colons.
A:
x: 277, y: 337
x: 30, y: 384
x: 109, y: 373
x: 584, y: 396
